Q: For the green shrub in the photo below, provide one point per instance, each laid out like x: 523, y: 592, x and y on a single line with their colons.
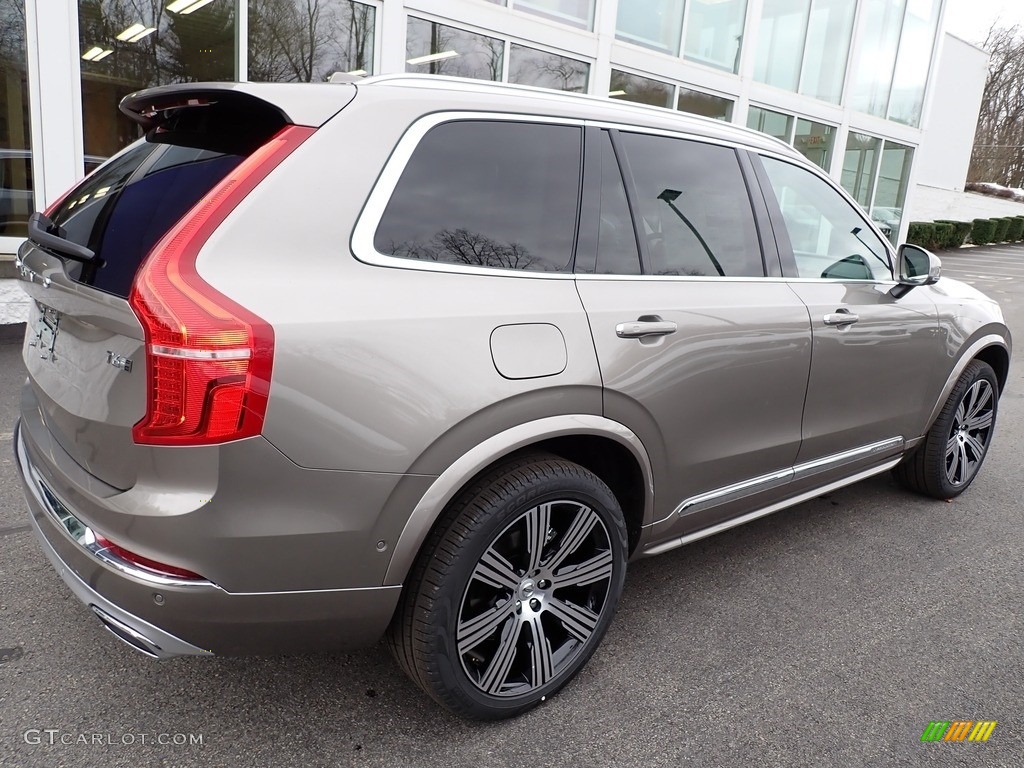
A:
x: 983, y: 231
x: 1002, y: 227
x: 1016, y: 230
x: 942, y: 236
x: 961, y: 231
x: 921, y: 233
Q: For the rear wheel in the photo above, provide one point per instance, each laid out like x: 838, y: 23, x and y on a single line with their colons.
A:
x: 514, y: 589
x: 956, y: 445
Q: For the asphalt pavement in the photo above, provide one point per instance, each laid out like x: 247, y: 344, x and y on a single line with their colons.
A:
x: 829, y: 634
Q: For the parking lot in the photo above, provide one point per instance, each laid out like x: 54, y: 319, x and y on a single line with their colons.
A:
x: 829, y: 634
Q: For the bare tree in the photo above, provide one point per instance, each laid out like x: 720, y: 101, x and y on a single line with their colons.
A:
x: 999, y: 141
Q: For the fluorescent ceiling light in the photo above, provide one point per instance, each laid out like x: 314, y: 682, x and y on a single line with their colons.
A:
x: 103, y: 55
x: 92, y: 53
x: 359, y: 72
x: 616, y: 93
x: 185, y: 7
x: 144, y: 33
x: 432, y: 57
x: 131, y: 32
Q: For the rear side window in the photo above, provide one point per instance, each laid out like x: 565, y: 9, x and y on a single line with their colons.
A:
x: 694, y: 210
x: 487, y: 194
x: 130, y: 203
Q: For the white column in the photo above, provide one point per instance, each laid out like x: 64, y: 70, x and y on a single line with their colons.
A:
x: 55, y: 95
x: 392, y: 37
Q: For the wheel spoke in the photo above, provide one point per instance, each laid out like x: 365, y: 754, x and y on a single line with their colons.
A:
x: 473, y: 632
x: 980, y: 421
x: 962, y: 465
x: 976, y: 446
x: 951, y: 446
x: 961, y: 414
x: 494, y: 570
x: 591, y: 571
x: 576, y: 619
x: 541, y: 662
x: 951, y: 473
x: 538, y: 522
x: 577, y: 533
x: 497, y: 671
x: 982, y: 394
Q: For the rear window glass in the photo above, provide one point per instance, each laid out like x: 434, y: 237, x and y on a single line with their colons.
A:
x: 487, y: 194
x: 131, y: 202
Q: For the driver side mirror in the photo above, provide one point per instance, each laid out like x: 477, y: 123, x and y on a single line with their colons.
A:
x: 915, y: 266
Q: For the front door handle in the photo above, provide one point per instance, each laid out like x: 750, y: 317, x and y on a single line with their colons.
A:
x: 644, y: 326
x: 841, y: 318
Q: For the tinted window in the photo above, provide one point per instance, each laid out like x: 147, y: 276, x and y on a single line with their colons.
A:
x: 830, y: 239
x: 488, y: 194
x: 694, y: 210
x: 122, y: 210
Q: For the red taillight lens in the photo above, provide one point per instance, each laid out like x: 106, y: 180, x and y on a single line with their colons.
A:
x: 161, y: 569
x: 209, y: 359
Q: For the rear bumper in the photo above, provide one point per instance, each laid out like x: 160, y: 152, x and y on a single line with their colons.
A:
x: 172, y: 619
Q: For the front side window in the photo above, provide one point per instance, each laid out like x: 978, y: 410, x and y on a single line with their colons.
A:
x: 487, y: 194
x: 693, y: 208
x: 829, y: 237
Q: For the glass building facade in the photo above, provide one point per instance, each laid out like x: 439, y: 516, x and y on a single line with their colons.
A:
x: 843, y: 81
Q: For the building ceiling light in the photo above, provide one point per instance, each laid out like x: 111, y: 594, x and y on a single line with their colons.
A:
x: 103, y: 55
x: 357, y: 72
x: 613, y: 94
x: 185, y: 7
x: 131, y: 32
x: 92, y: 53
x: 144, y: 33
x: 432, y: 57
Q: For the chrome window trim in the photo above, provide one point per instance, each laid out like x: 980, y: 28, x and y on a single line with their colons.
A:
x: 362, y: 245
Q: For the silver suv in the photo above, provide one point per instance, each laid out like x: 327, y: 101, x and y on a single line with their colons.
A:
x: 434, y: 359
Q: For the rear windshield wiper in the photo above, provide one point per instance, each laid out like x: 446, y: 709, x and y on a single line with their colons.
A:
x: 42, y: 231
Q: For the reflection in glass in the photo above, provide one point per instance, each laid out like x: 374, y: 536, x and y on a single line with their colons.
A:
x: 692, y: 208
x: 893, y: 178
x: 700, y: 103
x: 16, y: 201
x: 714, y: 31
x: 914, y: 61
x: 302, y: 41
x: 860, y: 164
x: 181, y: 47
x: 815, y: 142
x: 459, y: 201
x: 438, y: 49
x: 652, y: 23
x: 642, y: 90
x: 880, y: 39
x: 528, y: 66
x: 773, y: 123
x: 579, y: 13
x: 780, y: 42
x: 828, y: 47
x: 830, y: 240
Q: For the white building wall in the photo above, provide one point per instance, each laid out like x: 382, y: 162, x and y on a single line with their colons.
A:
x: 943, y: 159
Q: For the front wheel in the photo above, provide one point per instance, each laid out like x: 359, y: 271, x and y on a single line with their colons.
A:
x: 956, y: 445
x: 514, y: 589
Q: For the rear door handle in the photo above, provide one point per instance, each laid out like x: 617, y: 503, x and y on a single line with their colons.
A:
x: 841, y: 318
x: 644, y: 326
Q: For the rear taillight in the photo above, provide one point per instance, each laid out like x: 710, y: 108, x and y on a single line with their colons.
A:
x: 209, y: 359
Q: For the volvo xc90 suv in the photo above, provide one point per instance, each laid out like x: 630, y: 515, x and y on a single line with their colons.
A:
x: 435, y: 359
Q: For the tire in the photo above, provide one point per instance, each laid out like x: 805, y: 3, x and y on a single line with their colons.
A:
x: 949, y: 459
x: 478, y: 599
